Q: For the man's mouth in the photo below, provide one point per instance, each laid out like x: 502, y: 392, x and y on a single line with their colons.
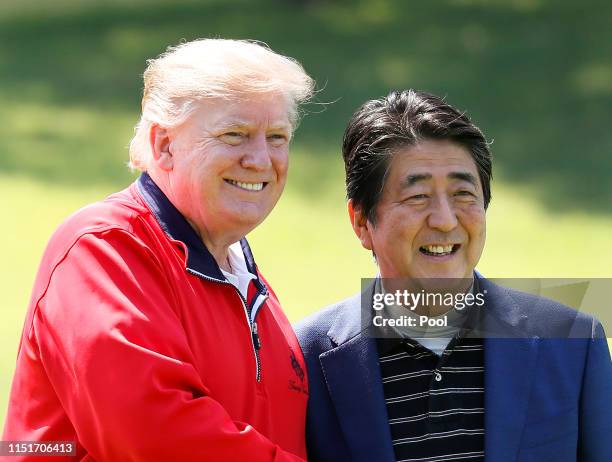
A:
x: 247, y: 186
x: 439, y: 250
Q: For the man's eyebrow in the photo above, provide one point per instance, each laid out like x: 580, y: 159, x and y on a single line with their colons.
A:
x: 281, y: 126
x: 235, y: 123
x: 464, y: 176
x: 238, y: 123
x: 411, y: 180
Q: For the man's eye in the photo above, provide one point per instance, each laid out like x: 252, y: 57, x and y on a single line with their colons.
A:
x: 465, y: 196
x: 277, y: 138
x: 416, y: 198
x: 232, y: 138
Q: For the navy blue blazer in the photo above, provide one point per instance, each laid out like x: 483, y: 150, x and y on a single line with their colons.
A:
x: 547, y: 397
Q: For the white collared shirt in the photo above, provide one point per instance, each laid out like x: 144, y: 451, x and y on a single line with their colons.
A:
x: 240, y: 277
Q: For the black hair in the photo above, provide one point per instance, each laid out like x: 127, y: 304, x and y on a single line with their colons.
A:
x: 381, y: 127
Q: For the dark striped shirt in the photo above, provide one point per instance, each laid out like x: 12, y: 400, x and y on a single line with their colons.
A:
x: 435, y: 403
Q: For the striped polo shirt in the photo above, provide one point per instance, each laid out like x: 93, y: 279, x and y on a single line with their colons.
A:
x: 435, y: 403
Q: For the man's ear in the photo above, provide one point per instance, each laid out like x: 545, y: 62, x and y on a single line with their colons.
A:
x: 361, y: 225
x: 159, y: 140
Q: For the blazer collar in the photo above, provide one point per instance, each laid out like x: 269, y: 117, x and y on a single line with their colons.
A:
x: 502, y: 317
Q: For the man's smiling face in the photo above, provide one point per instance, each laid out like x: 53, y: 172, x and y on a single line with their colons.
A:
x: 230, y: 163
x: 430, y: 220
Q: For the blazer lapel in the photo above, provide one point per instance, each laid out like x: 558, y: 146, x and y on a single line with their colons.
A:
x: 510, y: 365
x: 352, y: 374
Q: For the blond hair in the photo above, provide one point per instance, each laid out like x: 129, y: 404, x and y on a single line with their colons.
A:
x: 180, y: 78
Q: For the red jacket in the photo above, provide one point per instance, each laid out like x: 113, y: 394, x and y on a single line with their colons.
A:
x: 136, y: 347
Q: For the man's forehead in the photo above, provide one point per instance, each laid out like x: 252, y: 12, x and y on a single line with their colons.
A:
x: 434, y: 158
x: 271, y: 111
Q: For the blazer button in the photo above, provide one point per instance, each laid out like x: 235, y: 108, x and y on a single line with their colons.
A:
x: 437, y: 376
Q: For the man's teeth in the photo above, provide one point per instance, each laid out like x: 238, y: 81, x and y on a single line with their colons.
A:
x: 438, y: 249
x: 248, y: 186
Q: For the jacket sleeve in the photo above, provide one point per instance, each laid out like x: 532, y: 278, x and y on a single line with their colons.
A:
x: 117, y: 356
x: 595, y: 444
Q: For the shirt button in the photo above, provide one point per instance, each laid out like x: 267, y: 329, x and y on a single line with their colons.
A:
x: 437, y: 376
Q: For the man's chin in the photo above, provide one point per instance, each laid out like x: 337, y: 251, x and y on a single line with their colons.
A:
x: 247, y: 223
x: 247, y: 214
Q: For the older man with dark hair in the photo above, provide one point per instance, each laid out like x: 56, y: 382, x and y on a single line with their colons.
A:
x: 151, y: 335
x: 498, y: 381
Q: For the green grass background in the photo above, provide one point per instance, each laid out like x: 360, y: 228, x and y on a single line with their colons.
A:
x: 536, y: 75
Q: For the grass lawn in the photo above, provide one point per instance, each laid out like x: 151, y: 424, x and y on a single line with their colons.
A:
x: 536, y: 76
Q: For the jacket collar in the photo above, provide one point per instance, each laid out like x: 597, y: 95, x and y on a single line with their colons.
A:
x: 358, y: 320
x: 199, y: 260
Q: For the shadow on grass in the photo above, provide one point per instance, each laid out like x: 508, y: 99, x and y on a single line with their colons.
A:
x: 536, y: 75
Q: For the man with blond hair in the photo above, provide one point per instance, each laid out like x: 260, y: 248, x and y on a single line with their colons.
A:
x: 151, y: 335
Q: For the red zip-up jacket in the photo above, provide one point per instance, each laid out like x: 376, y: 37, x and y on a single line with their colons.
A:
x: 136, y: 348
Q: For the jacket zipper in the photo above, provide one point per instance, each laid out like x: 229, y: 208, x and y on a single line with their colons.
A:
x: 255, y: 340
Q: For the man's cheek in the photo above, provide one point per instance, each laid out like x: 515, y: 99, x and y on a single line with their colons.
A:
x: 474, y: 218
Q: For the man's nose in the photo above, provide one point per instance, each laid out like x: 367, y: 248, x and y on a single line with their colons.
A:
x: 442, y: 216
x: 257, y: 154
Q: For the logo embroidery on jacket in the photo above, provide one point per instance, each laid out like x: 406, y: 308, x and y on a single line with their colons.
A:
x: 293, y: 384
x: 296, y: 367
